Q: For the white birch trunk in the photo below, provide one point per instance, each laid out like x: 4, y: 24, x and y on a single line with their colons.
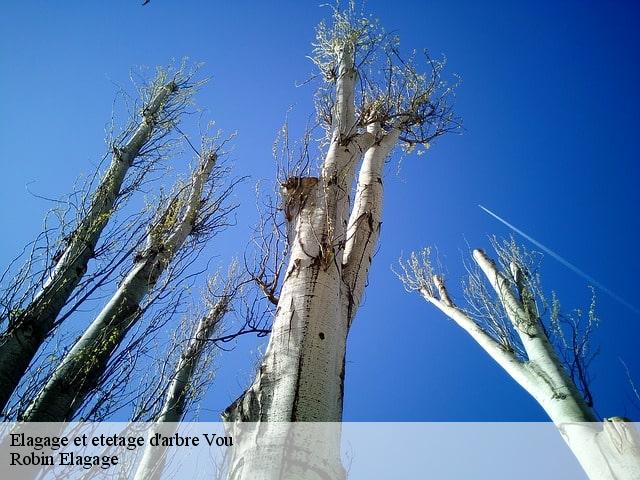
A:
x: 82, y: 367
x: 21, y: 341
x: 302, y: 373
x: 606, y: 451
x: 609, y: 451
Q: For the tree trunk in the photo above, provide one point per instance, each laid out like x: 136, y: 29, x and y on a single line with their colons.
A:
x: 83, y: 366
x: 332, y: 238
x: 175, y: 403
x: 301, y: 378
x: 606, y: 451
x: 558, y: 394
x: 27, y: 332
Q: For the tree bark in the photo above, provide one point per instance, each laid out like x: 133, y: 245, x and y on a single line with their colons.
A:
x: 558, y: 394
x: 27, y: 332
x: 175, y: 403
x: 82, y: 367
x: 302, y: 372
x: 332, y: 242
x: 365, y: 220
x: 301, y: 377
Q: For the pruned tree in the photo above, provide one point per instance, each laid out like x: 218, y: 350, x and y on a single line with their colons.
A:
x: 545, y: 351
x: 369, y: 102
x: 52, y: 276
x: 192, y: 372
x: 195, y: 211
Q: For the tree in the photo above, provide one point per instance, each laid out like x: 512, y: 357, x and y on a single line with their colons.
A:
x: 146, y: 256
x: 545, y: 351
x: 196, y: 210
x: 31, y: 305
x: 369, y: 102
x: 183, y: 385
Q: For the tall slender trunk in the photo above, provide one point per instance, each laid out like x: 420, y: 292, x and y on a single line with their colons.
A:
x: 178, y: 393
x: 26, y: 333
x: 82, y: 367
x: 365, y: 220
x: 606, y: 451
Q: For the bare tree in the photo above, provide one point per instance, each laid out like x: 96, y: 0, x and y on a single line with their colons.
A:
x: 370, y: 101
x: 195, y: 211
x: 31, y: 304
x: 544, y: 350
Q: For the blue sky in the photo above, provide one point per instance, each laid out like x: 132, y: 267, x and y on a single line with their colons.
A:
x: 550, y: 106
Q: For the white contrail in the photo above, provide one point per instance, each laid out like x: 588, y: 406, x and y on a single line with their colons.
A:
x: 566, y: 263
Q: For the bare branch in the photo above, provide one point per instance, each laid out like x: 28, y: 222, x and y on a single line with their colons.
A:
x: 417, y: 275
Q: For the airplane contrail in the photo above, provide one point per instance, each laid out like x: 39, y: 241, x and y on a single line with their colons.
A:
x: 567, y: 264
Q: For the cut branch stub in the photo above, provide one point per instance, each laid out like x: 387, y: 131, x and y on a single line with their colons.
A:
x: 295, y: 192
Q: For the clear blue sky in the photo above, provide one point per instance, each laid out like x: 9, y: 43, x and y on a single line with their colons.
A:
x: 550, y: 106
